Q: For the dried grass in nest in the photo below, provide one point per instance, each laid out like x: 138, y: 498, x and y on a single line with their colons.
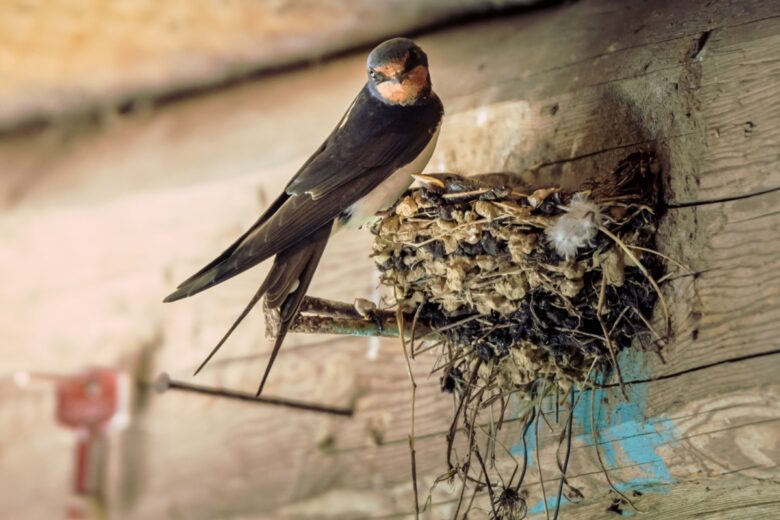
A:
x: 528, y: 291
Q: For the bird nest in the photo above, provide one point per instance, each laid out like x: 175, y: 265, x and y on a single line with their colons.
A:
x: 524, y: 289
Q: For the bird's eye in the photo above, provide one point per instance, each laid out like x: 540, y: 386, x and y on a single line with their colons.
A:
x: 372, y: 73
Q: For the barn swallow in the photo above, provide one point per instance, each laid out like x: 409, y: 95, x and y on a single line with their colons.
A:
x: 387, y: 134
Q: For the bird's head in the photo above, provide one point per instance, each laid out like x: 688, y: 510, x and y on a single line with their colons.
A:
x: 398, y: 72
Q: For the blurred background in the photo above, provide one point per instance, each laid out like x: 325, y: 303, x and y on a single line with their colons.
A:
x: 139, y: 138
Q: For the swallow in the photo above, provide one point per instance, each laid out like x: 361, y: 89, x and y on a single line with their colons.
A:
x: 387, y: 134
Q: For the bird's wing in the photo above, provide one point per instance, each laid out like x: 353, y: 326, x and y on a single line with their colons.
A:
x: 371, y: 142
x: 229, y: 251
x: 284, y: 286
x: 371, y: 135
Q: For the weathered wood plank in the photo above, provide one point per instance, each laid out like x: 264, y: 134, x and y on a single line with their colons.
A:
x: 725, y: 267
x: 713, y: 499
x: 250, y: 458
x: 64, y: 56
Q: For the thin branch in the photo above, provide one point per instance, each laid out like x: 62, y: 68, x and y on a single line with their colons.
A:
x: 487, y: 480
x: 413, y: 453
x: 454, y: 425
x: 595, y: 434
x: 608, y: 340
x: 538, y: 459
x: 669, y: 259
x: 333, y: 309
x: 340, y: 326
x: 566, y: 458
x: 526, y: 427
x: 644, y: 271
x: 321, y: 316
x: 471, y: 502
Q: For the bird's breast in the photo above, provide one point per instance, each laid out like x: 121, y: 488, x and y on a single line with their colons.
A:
x: 388, y: 191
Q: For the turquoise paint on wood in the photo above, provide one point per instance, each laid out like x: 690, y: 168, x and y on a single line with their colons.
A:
x: 626, y: 437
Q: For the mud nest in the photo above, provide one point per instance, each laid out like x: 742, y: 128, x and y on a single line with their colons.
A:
x: 525, y: 290
x: 527, y: 282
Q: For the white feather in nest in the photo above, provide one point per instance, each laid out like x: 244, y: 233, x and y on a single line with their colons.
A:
x: 576, y: 228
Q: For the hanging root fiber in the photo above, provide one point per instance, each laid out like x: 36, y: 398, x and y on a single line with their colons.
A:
x: 529, y: 293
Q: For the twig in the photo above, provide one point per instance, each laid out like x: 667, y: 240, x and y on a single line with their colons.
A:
x: 461, y: 495
x: 428, y: 348
x: 454, y: 425
x: 647, y: 323
x: 473, y: 449
x: 400, y: 324
x: 607, y: 339
x: 617, y: 320
x: 470, y: 504
x: 165, y: 383
x: 335, y: 309
x: 526, y: 427
x: 594, y: 433
x: 458, y: 323
x: 322, y: 316
x: 568, y: 453
x: 487, y: 480
x: 644, y: 271
x: 665, y: 257
x: 340, y: 326
x: 539, y: 462
x: 414, y: 328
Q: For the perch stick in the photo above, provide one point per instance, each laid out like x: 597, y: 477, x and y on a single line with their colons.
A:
x: 331, y: 308
x: 165, y: 383
x: 322, y: 316
x: 338, y: 326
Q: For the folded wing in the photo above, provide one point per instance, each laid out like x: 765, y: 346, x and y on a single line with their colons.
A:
x: 371, y: 142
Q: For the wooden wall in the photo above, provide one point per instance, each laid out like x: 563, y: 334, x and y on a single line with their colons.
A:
x: 103, y: 218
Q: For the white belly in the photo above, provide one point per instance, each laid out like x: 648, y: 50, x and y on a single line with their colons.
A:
x: 391, y: 189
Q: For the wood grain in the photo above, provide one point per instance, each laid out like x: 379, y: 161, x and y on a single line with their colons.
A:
x: 71, y: 58
x: 558, y: 96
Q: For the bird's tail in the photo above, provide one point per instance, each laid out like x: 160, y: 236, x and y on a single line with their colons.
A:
x: 224, y: 266
x: 296, y: 270
x: 284, y: 287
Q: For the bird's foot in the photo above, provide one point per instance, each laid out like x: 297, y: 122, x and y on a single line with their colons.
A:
x: 368, y: 310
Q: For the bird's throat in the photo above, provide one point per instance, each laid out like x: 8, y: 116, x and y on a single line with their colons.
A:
x: 408, y: 91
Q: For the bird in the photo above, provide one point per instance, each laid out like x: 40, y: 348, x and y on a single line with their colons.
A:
x: 387, y: 134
